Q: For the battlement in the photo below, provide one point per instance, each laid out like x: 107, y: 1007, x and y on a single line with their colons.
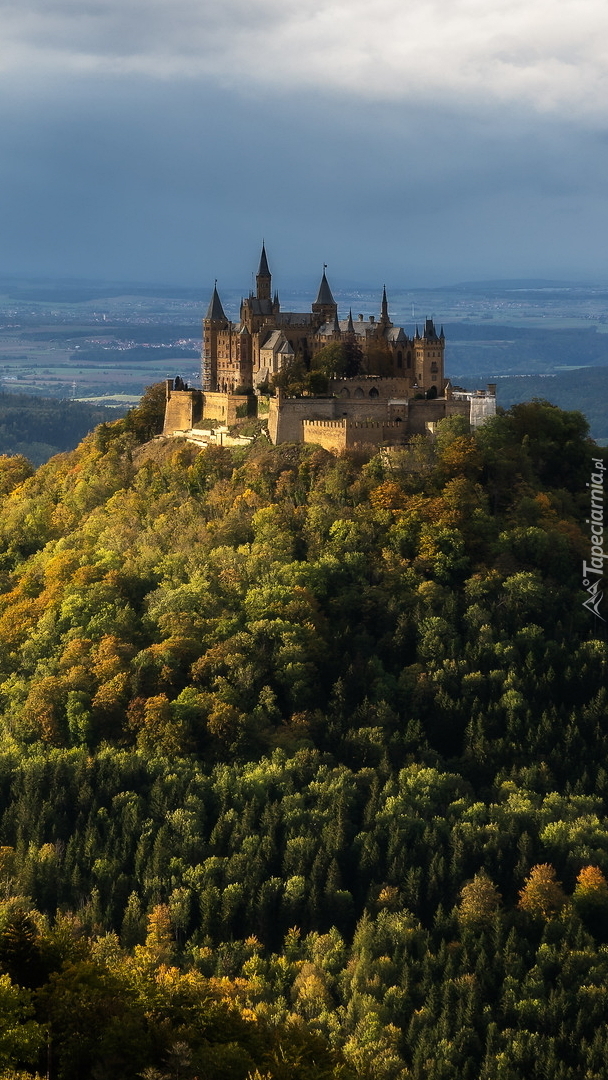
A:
x: 336, y: 435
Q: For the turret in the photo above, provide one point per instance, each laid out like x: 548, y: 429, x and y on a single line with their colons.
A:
x: 214, y: 323
x: 429, y: 357
x: 325, y: 305
x: 215, y: 311
x: 263, y: 279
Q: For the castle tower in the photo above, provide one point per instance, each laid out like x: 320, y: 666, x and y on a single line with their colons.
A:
x: 214, y: 324
x: 428, y: 358
x: 263, y: 278
x: 325, y: 306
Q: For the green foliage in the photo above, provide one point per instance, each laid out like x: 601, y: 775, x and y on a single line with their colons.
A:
x: 295, y: 752
x: 39, y: 427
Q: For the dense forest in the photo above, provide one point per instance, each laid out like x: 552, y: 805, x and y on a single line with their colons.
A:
x: 39, y: 427
x: 585, y: 389
x: 303, y: 759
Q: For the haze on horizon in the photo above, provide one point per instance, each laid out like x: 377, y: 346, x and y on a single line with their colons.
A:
x: 417, y: 144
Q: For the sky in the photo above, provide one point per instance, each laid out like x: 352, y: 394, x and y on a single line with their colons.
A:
x: 414, y: 143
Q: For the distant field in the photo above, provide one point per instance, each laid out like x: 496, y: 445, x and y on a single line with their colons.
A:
x: 86, y: 362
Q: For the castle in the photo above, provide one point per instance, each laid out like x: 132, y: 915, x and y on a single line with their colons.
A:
x: 390, y: 387
x: 246, y: 355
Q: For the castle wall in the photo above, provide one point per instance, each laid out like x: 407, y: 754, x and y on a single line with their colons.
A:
x: 395, y: 417
x: 285, y: 416
x: 337, y: 435
x: 226, y: 407
x: 330, y: 434
x: 422, y: 412
x: 183, y: 409
x: 385, y: 389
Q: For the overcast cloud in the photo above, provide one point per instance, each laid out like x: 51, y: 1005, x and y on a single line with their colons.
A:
x: 411, y: 140
x: 547, y: 55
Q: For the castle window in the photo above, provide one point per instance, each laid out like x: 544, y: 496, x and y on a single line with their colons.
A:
x: 358, y: 392
x: 399, y: 359
x: 373, y: 392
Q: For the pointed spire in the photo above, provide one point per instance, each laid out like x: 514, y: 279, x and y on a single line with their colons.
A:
x: 336, y: 324
x: 384, y: 312
x: 350, y: 326
x: 215, y: 310
x: 441, y: 333
x: 324, y: 295
x: 263, y: 279
x: 263, y: 268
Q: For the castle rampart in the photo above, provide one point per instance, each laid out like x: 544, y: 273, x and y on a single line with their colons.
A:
x: 184, y: 408
x: 227, y: 407
x: 347, y: 434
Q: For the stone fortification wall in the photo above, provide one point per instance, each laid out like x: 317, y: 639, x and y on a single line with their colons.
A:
x: 285, y: 416
x: 370, y: 388
x: 337, y: 435
x: 330, y: 434
x: 226, y: 407
x: 183, y: 409
x: 420, y: 413
x: 366, y: 410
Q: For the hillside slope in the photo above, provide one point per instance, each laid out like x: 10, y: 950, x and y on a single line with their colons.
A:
x: 310, y: 743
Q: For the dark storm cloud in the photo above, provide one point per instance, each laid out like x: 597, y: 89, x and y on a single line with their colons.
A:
x: 147, y: 140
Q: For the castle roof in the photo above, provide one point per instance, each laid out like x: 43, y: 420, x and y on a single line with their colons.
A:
x: 349, y: 326
x: 324, y: 295
x: 273, y: 340
x: 263, y: 269
x: 294, y: 318
x: 429, y: 330
x: 260, y: 307
x: 332, y: 326
x: 215, y: 309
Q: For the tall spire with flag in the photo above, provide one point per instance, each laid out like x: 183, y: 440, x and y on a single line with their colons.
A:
x: 263, y: 279
x: 325, y: 305
x: 384, y: 319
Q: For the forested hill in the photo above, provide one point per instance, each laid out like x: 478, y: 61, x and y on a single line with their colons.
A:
x: 39, y: 427
x: 304, y: 760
